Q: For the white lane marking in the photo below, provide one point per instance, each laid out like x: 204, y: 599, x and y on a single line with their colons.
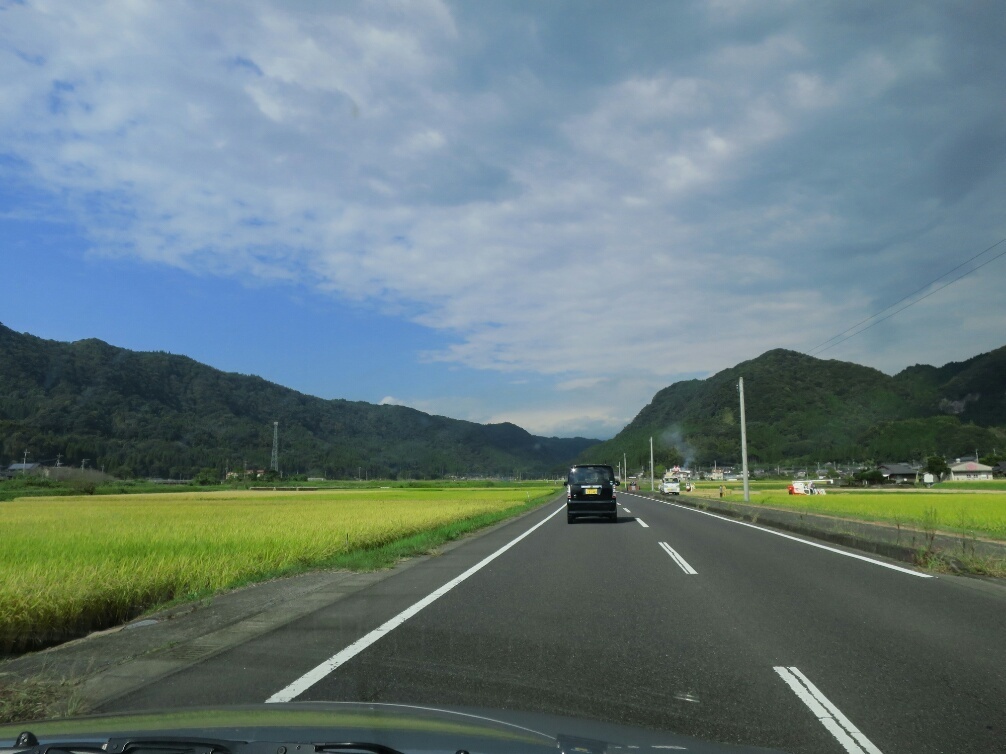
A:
x: 803, y: 541
x: 314, y: 675
x: 847, y: 734
x: 642, y: 523
x: 626, y: 509
x: 682, y: 563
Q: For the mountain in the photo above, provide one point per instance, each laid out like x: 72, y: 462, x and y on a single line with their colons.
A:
x: 800, y: 408
x: 973, y: 390
x: 158, y: 414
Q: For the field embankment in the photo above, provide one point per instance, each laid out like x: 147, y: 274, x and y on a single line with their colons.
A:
x: 75, y: 564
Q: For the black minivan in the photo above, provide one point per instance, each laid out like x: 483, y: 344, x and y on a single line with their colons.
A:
x: 590, y: 491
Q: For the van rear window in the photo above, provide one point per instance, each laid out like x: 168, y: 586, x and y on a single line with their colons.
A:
x: 589, y: 476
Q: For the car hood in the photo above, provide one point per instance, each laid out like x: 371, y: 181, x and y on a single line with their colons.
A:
x: 407, y: 728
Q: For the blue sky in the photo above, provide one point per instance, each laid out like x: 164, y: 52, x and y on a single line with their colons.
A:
x: 500, y: 211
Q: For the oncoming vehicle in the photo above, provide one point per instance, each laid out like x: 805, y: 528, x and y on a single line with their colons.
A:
x: 670, y: 485
x: 590, y: 491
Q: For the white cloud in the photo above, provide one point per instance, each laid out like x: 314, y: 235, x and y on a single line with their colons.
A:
x: 676, y: 215
x: 580, y: 383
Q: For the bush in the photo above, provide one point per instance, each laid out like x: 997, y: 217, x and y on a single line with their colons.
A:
x: 206, y: 476
x: 83, y: 486
x: 873, y: 476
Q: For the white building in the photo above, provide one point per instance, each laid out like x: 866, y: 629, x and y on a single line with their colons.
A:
x: 969, y: 471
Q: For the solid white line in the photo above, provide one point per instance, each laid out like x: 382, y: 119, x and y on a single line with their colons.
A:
x: 314, y: 675
x: 682, y: 563
x: 802, y: 541
x: 847, y: 734
x: 642, y: 523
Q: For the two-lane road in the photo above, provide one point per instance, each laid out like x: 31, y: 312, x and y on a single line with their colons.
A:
x: 672, y: 619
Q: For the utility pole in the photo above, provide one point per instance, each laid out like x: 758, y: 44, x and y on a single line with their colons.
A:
x: 625, y: 466
x: 58, y: 456
x: 24, y: 463
x: 744, y: 443
x: 275, y: 447
x: 85, y: 460
x: 651, y: 464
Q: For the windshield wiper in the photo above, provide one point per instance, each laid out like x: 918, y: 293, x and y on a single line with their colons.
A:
x: 357, y: 746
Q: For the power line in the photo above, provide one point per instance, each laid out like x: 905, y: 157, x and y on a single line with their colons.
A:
x: 967, y: 261
x: 913, y: 303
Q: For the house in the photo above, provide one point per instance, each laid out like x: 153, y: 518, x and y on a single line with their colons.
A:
x: 24, y: 468
x: 899, y: 473
x: 969, y: 471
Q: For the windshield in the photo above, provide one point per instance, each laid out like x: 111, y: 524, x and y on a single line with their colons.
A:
x: 580, y: 363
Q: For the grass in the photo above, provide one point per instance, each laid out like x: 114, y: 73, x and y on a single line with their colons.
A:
x: 961, y: 513
x: 37, y: 699
x: 38, y: 486
x: 986, y: 484
x: 75, y: 564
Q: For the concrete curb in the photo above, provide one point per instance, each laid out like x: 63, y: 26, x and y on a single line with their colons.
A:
x: 899, y: 543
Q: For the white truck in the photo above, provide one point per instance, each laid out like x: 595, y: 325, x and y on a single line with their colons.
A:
x: 670, y: 484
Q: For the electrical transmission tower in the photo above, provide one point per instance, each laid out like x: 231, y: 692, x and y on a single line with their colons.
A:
x: 274, y: 464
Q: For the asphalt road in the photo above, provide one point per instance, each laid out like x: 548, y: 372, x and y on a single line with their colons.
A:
x: 671, y: 619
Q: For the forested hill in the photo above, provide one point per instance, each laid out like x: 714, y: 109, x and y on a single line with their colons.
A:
x: 157, y: 414
x: 805, y: 409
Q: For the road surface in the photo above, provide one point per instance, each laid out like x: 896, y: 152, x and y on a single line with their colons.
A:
x: 672, y: 619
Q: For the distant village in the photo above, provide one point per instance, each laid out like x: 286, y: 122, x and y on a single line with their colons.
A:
x: 963, y: 469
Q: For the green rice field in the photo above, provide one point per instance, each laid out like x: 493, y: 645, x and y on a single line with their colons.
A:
x: 73, y: 564
x: 982, y: 513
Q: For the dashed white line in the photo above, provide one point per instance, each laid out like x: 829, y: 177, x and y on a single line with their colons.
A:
x: 802, y: 541
x: 847, y: 734
x: 642, y: 523
x: 314, y: 675
x: 682, y: 563
x: 626, y: 509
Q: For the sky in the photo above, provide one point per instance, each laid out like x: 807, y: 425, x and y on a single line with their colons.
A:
x: 531, y: 212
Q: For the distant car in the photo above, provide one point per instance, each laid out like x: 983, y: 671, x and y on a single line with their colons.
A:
x: 590, y: 491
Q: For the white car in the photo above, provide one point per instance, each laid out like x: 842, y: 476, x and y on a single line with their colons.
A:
x: 670, y: 486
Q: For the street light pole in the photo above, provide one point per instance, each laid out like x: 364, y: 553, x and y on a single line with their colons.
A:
x: 744, y: 444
